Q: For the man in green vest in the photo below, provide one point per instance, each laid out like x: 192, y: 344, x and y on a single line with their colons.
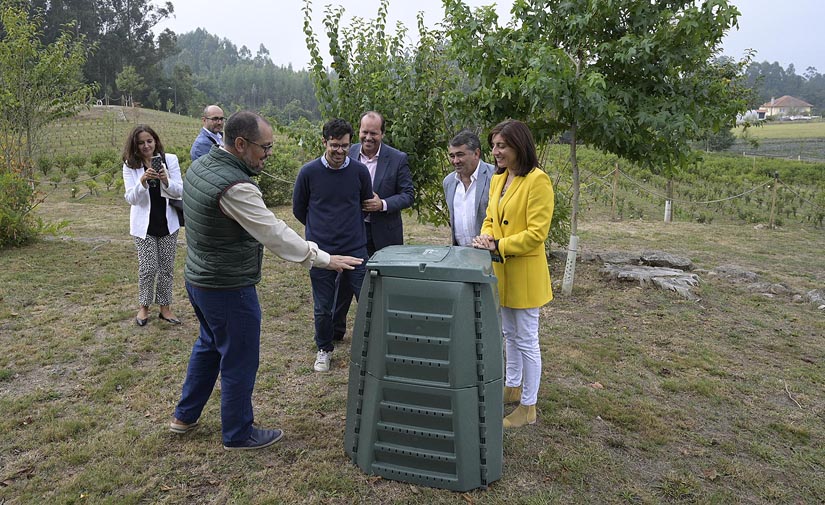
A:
x: 227, y: 227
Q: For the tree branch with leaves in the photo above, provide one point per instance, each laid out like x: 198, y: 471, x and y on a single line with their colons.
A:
x: 38, y: 84
x: 636, y: 79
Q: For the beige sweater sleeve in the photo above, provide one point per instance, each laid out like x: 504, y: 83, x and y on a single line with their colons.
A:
x: 244, y: 203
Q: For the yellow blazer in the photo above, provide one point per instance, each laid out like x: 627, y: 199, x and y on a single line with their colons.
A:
x: 520, y: 221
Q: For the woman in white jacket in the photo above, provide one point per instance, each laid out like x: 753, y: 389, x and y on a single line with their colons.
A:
x: 152, y: 221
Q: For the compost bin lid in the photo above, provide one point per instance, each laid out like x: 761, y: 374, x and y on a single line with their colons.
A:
x: 445, y: 263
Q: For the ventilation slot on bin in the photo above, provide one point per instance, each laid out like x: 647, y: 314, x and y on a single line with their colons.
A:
x: 425, y: 477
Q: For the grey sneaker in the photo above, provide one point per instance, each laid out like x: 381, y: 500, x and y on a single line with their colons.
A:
x: 322, y: 360
x: 257, y: 440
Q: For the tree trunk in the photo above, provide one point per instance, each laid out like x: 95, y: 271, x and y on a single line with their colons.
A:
x: 613, y: 214
x: 669, y: 201
x: 572, y: 247
x: 773, y: 199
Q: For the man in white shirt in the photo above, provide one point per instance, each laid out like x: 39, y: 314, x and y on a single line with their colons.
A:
x: 467, y: 190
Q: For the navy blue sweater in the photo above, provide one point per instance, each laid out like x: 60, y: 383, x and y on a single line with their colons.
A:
x: 328, y: 202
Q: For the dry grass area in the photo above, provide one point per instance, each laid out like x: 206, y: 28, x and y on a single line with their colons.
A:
x: 646, y: 398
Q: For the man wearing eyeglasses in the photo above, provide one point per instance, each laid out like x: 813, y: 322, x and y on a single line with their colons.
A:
x: 227, y: 227
x: 210, y: 134
x: 393, y: 191
x: 327, y: 199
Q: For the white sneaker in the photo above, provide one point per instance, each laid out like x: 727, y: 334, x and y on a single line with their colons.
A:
x: 322, y: 360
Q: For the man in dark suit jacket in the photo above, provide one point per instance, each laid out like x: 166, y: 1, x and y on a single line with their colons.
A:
x: 210, y: 134
x: 468, y: 188
x: 391, y: 183
x: 393, y: 191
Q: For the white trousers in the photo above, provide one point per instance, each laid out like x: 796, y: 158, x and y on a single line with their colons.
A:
x: 521, y: 350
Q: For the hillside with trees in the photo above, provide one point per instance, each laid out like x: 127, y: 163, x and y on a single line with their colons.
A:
x: 770, y: 80
x: 132, y: 64
x: 223, y: 73
x: 181, y: 72
x: 120, y: 34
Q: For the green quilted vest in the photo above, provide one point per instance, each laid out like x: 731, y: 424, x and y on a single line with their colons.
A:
x: 220, y: 253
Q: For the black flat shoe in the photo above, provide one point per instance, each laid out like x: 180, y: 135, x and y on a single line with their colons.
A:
x: 170, y: 320
x: 141, y: 322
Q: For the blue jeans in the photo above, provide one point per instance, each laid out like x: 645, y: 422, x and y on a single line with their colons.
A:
x: 229, y: 344
x: 326, y: 287
x: 343, y: 295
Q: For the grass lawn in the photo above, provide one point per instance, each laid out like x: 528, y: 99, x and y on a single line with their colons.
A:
x: 646, y: 398
x: 787, y: 130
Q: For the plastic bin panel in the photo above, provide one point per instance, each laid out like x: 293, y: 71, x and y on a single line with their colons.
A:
x: 433, y: 333
x: 439, y: 437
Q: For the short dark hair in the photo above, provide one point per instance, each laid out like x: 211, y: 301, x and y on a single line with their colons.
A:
x: 244, y: 124
x: 518, y: 136
x: 374, y: 113
x: 466, y: 137
x: 131, y: 152
x: 336, y: 128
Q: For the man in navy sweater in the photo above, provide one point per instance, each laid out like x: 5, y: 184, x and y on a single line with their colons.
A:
x: 327, y: 200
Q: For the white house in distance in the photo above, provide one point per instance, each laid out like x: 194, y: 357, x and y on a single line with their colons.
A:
x: 785, y: 107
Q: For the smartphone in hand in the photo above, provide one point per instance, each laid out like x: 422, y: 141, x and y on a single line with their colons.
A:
x: 157, y: 166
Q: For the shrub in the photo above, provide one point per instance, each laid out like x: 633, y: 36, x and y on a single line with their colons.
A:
x: 279, y: 175
x: 107, y: 178
x: 44, y: 164
x: 62, y: 163
x: 91, y: 170
x: 704, y: 218
x: 17, y: 226
x: 76, y: 160
x: 91, y: 185
x: 181, y: 152
x: 72, y: 174
x: 105, y: 159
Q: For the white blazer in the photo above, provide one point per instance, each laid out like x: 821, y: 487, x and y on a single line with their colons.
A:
x: 138, y: 197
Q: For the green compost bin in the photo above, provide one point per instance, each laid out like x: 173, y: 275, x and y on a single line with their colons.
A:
x: 424, y: 400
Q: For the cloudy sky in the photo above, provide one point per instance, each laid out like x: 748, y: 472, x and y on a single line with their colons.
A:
x: 784, y: 32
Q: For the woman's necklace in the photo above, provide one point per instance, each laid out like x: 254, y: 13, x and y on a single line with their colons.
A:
x: 507, y: 183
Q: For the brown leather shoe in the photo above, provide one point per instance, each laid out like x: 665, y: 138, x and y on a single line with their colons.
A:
x: 181, y: 427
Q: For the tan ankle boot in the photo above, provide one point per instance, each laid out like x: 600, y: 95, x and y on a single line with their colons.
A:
x: 512, y: 395
x: 524, y: 414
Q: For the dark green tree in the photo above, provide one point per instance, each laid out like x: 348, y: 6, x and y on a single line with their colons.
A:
x: 220, y: 75
x: 122, y: 31
x: 770, y: 80
x: 372, y: 69
x: 130, y: 83
x: 636, y: 79
x: 38, y: 83
x: 719, y: 141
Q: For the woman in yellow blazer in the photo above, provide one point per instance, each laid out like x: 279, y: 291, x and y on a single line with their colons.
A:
x: 517, y: 223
